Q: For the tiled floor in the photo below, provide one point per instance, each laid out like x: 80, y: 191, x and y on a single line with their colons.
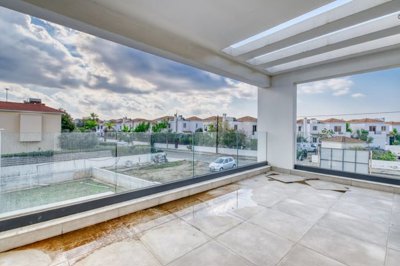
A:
x: 254, y: 222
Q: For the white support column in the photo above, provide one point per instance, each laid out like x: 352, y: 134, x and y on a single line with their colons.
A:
x: 277, y: 117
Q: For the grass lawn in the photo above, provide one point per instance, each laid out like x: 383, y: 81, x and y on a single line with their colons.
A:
x: 37, y: 196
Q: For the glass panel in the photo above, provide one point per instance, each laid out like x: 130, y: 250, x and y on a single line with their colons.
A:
x: 362, y: 157
x: 247, y: 147
x: 337, y: 155
x: 363, y: 141
x: 349, y: 155
x: 349, y: 167
x: 66, y: 168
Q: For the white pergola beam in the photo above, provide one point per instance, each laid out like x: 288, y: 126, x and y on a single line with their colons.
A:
x: 363, y: 64
x: 361, y: 17
x: 324, y: 15
x: 371, y: 26
x: 338, y: 54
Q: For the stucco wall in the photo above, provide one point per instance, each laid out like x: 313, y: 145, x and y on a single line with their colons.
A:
x: 10, y: 135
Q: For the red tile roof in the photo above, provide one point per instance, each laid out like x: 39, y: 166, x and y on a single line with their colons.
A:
x: 366, y: 120
x: 332, y: 120
x: 247, y: 119
x: 194, y: 118
x: 393, y: 123
x: 140, y: 120
x: 212, y: 119
x: 164, y: 118
x: 29, y: 107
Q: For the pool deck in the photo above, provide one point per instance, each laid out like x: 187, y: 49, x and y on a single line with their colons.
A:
x: 257, y: 221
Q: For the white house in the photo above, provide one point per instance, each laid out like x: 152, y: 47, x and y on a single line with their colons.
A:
x: 29, y: 126
x: 246, y: 124
x: 377, y: 129
x: 392, y: 125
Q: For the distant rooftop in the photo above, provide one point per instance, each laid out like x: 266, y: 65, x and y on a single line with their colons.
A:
x: 247, y: 119
x: 393, y: 123
x: 366, y: 120
x: 194, y: 118
x: 27, y: 107
x: 332, y: 120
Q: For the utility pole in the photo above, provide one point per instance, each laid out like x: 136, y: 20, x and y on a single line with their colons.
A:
x: 6, y: 94
x: 217, y: 142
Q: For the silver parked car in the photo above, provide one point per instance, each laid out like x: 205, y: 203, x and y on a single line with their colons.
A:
x: 222, y: 163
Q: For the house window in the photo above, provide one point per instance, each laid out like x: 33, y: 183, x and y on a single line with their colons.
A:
x: 314, y: 140
x: 254, y: 128
x: 372, y: 129
x: 30, y: 128
x: 299, y: 128
x: 196, y: 125
x: 337, y: 129
x: 184, y: 125
x: 235, y: 127
x: 315, y: 128
x: 384, y: 128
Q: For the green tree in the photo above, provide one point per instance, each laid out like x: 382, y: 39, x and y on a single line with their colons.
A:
x: 348, y: 129
x: 125, y: 128
x: 67, y: 123
x: 363, y: 135
x: 109, y: 125
x: 396, y: 136
x: 326, y: 133
x: 94, y: 117
x: 158, y: 127
x: 301, y: 139
x: 142, y: 127
x: 90, y: 124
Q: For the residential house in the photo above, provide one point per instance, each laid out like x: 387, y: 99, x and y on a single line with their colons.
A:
x: 212, y: 120
x: 168, y: 118
x: 376, y: 128
x: 186, y: 125
x: 392, y: 125
x: 246, y: 124
x: 29, y: 126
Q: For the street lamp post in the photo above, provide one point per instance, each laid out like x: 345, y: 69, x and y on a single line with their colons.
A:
x: 6, y: 94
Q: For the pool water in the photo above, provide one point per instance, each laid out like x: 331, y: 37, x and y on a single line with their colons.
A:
x: 28, y: 198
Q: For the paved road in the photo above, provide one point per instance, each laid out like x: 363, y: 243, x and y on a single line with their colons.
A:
x: 206, y: 157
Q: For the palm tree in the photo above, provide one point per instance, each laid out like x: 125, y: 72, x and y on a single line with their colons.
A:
x: 125, y: 128
x: 109, y: 125
x: 94, y: 117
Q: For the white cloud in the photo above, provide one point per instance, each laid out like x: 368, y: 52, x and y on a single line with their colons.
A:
x: 83, y: 74
x: 336, y: 87
x: 358, y: 95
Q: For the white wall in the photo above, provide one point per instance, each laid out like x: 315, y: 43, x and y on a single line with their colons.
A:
x: 277, y: 117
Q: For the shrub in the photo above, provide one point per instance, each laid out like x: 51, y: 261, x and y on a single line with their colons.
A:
x: 383, y: 155
x: 30, y: 154
x: 78, y: 141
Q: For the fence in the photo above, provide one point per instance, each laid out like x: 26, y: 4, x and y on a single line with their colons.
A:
x: 354, y: 161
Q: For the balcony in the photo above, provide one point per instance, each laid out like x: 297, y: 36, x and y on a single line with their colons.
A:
x: 156, y: 200
x: 256, y: 221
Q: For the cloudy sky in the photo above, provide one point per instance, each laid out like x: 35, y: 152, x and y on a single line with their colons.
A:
x: 376, y: 92
x: 83, y: 74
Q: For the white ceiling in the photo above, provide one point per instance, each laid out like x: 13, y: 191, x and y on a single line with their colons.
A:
x: 202, y: 33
